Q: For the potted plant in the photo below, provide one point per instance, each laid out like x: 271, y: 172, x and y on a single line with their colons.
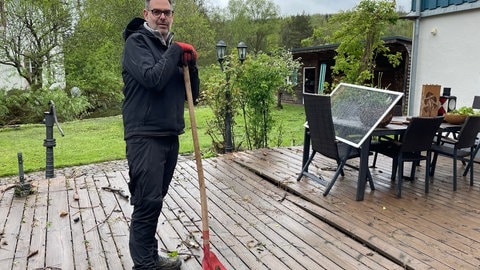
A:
x: 459, y: 115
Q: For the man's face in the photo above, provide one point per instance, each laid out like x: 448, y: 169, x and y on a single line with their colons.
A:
x: 159, y: 16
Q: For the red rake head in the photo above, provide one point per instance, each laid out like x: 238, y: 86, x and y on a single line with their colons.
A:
x: 211, y: 262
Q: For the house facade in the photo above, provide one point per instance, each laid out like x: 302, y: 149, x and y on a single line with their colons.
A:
x: 445, y: 49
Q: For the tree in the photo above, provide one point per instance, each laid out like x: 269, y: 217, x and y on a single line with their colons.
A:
x: 359, y: 34
x: 295, y: 29
x: 191, y: 25
x: 33, y: 36
x: 261, y: 77
x: 93, y: 51
x: 254, y: 22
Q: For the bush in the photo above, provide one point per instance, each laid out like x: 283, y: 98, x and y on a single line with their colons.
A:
x: 26, y: 106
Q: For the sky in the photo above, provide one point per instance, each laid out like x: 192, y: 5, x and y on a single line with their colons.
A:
x: 296, y: 7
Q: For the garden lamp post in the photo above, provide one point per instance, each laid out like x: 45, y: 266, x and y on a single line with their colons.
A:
x: 221, y: 48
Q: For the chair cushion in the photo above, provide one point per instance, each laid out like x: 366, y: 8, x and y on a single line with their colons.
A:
x: 448, y: 150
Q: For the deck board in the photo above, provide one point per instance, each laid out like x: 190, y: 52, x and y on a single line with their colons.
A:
x: 416, y: 223
x: 260, y: 217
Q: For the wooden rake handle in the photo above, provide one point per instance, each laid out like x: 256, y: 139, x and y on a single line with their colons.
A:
x: 198, y: 158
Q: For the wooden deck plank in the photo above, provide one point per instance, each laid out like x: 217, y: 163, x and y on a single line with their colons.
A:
x: 283, y: 235
x: 461, y: 243
x: 58, y: 246
x: 22, y: 249
x: 107, y: 219
x: 221, y: 242
x: 11, y: 229
x: 311, y: 223
x: 77, y: 210
x: 425, y: 238
x: 94, y: 230
x: 39, y: 226
x: 119, y: 222
x: 254, y: 224
x: 255, y: 220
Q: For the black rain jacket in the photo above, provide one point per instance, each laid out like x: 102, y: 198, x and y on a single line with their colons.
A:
x: 154, y: 88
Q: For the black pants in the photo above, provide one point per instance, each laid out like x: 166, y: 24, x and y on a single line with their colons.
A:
x: 151, y: 162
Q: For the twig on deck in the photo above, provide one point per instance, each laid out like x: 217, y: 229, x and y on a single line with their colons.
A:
x: 31, y: 254
x: 105, y: 220
x: 83, y: 207
x: 8, y: 188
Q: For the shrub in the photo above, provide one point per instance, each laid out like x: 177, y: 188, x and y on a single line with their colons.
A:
x: 26, y: 106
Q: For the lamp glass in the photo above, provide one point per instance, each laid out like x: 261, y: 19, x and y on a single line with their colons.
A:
x: 242, y: 51
x: 221, y: 49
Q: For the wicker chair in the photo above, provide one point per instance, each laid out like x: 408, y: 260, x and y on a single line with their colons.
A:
x: 464, y: 146
x: 418, y: 138
x: 324, y: 142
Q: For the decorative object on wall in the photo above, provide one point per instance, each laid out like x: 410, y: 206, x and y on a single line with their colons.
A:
x: 430, y: 100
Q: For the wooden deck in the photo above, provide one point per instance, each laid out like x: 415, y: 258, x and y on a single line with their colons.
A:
x: 260, y: 218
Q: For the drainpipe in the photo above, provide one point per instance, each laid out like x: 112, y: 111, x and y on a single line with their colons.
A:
x: 413, y: 73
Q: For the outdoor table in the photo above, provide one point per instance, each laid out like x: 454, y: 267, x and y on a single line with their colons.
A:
x: 356, y: 111
x: 397, y: 126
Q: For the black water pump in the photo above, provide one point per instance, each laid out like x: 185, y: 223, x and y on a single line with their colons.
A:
x: 49, y: 142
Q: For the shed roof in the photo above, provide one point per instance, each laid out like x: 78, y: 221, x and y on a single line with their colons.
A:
x: 333, y: 46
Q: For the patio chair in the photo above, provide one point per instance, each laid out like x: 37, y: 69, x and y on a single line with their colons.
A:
x: 396, y: 111
x: 416, y: 140
x: 323, y: 140
x: 476, y: 102
x: 464, y: 146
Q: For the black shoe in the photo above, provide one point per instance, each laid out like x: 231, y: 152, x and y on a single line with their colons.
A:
x: 168, y: 264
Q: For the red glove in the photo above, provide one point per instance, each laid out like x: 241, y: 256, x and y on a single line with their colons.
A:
x: 189, y: 56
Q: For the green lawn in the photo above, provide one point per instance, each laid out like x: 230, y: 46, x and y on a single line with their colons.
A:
x: 101, y: 139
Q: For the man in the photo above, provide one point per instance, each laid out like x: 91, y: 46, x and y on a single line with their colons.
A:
x: 152, y: 111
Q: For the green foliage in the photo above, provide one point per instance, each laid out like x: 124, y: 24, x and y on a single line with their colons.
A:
x: 31, y: 42
x: 464, y: 110
x: 254, y: 22
x: 215, y: 89
x: 192, y: 26
x: 252, y: 87
x: 359, y: 34
x: 101, y: 139
x: 24, y: 106
x: 294, y: 30
x: 93, y: 51
x: 360, y: 40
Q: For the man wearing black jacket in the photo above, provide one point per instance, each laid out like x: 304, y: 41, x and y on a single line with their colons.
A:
x: 152, y: 111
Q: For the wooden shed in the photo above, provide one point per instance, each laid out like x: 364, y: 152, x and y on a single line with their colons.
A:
x: 318, y: 60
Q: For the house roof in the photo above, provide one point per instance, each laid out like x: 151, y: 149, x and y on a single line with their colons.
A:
x: 435, y: 4
x: 329, y: 47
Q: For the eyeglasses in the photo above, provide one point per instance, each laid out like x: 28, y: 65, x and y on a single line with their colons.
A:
x: 159, y: 12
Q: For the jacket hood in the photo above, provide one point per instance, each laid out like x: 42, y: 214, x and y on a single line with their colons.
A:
x: 132, y: 27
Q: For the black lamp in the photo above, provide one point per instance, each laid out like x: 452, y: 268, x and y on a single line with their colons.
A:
x: 242, y: 51
x: 221, y: 49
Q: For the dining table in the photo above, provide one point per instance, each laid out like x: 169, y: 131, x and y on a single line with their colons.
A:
x: 397, y: 126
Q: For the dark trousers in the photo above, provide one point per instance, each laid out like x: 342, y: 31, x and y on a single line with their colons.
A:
x: 151, y: 162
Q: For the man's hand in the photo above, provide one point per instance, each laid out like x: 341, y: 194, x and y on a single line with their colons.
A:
x: 189, y: 56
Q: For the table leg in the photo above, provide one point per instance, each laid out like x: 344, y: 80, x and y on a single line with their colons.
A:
x: 306, y: 147
x: 362, y: 171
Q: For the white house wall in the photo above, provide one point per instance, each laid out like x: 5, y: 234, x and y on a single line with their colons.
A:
x: 449, y: 55
x: 9, y: 78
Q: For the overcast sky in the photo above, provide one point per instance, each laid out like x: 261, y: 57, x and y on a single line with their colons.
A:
x: 295, y: 7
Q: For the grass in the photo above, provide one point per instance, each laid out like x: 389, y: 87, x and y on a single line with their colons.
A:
x: 101, y: 139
